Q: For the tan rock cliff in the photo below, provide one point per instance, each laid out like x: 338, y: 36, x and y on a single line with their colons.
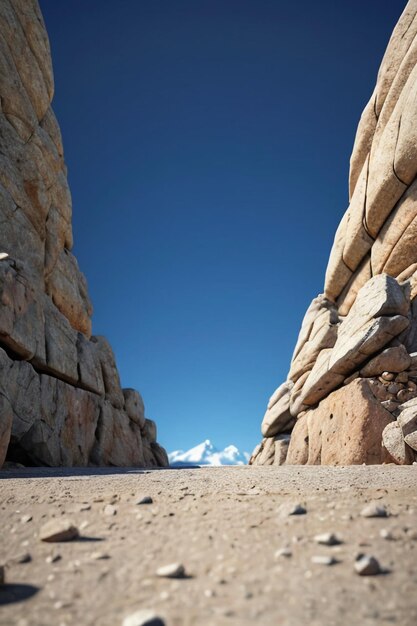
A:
x: 61, y: 402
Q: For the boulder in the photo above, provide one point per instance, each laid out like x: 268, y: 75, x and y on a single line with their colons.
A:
x: 395, y: 447
x: 395, y: 359
x: 345, y: 429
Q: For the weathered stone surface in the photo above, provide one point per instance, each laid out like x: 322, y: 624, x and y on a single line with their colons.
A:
x: 68, y: 290
x: 118, y: 440
x: 318, y: 308
x: 377, y: 316
x: 407, y: 421
x: 394, y: 359
x: 281, y: 449
x: 21, y: 314
x: 353, y: 286
x: 60, y: 344
x: 395, y: 446
x: 159, y: 454
x: 357, y: 242
x: 149, y: 431
x: 6, y: 420
x: 346, y: 428
x: 113, y: 390
x: 89, y: 365
x: 323, y: 335
x: 265, y: 454
x: 298, y: 447
x: 278, y: 417
x: 134, y: 406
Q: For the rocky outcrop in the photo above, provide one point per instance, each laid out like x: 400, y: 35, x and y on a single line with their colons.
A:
x: 351, y: 392
x: 61, y: 402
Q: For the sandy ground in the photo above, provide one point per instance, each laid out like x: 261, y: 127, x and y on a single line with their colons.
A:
x: 225, y: 526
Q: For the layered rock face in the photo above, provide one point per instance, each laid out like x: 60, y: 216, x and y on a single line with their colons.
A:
x: 61, y: 402
x: 351, y: 392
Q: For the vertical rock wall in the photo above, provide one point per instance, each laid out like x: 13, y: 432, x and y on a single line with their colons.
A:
x: 61, y: 402
x: 351, y: 392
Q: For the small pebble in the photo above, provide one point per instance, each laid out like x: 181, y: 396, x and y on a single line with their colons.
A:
x: 109, y: 510
x: 367, y: 565
x: 287, y: 552
x: 53, y: 558
x: 99, y: 556
x: 386, y: 534
x: 327, y: 539
x: 323, y: 560
x: 25, y: 557
x: 374, y: 510
x: 387, y: 376
x: 173, y: 570
x: 292, y: 509
x: 144, y: 500
x: 58, y: 530
x: 26, y: 518
x: 143, y: 618
x: 85, y: 507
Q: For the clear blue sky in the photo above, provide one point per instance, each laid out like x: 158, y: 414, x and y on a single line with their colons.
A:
x: 208, y: 144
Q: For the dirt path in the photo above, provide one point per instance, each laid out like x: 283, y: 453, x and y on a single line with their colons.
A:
x: 225, y: 526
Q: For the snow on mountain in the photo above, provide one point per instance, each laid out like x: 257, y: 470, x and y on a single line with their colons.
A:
x: 206, y: 454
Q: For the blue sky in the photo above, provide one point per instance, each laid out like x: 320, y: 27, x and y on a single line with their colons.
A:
x: 208, y: 145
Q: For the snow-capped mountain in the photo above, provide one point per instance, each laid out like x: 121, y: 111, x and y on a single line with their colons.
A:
x: 206, y: 454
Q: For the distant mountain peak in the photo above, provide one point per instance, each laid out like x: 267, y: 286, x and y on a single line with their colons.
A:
x: 206, y: 453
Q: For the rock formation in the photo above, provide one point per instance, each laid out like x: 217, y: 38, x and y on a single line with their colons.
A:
x: 61, y: 402
x: 351, y: 392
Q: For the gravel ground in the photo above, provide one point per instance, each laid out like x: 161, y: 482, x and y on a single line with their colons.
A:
x: 246, y: 560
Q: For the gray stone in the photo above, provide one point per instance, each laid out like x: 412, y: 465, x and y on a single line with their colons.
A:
x: 367, y: 566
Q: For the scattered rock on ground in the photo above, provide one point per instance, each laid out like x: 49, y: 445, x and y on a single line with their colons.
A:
x: 292, y: 509
x: 58, y: 530
x: 327, y: 539
x: 323, y: 560
x: 374, y: 510
x: 144, y: 500
x: 173, y: 570
x: 367, y: 565
x: 143, y: 618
